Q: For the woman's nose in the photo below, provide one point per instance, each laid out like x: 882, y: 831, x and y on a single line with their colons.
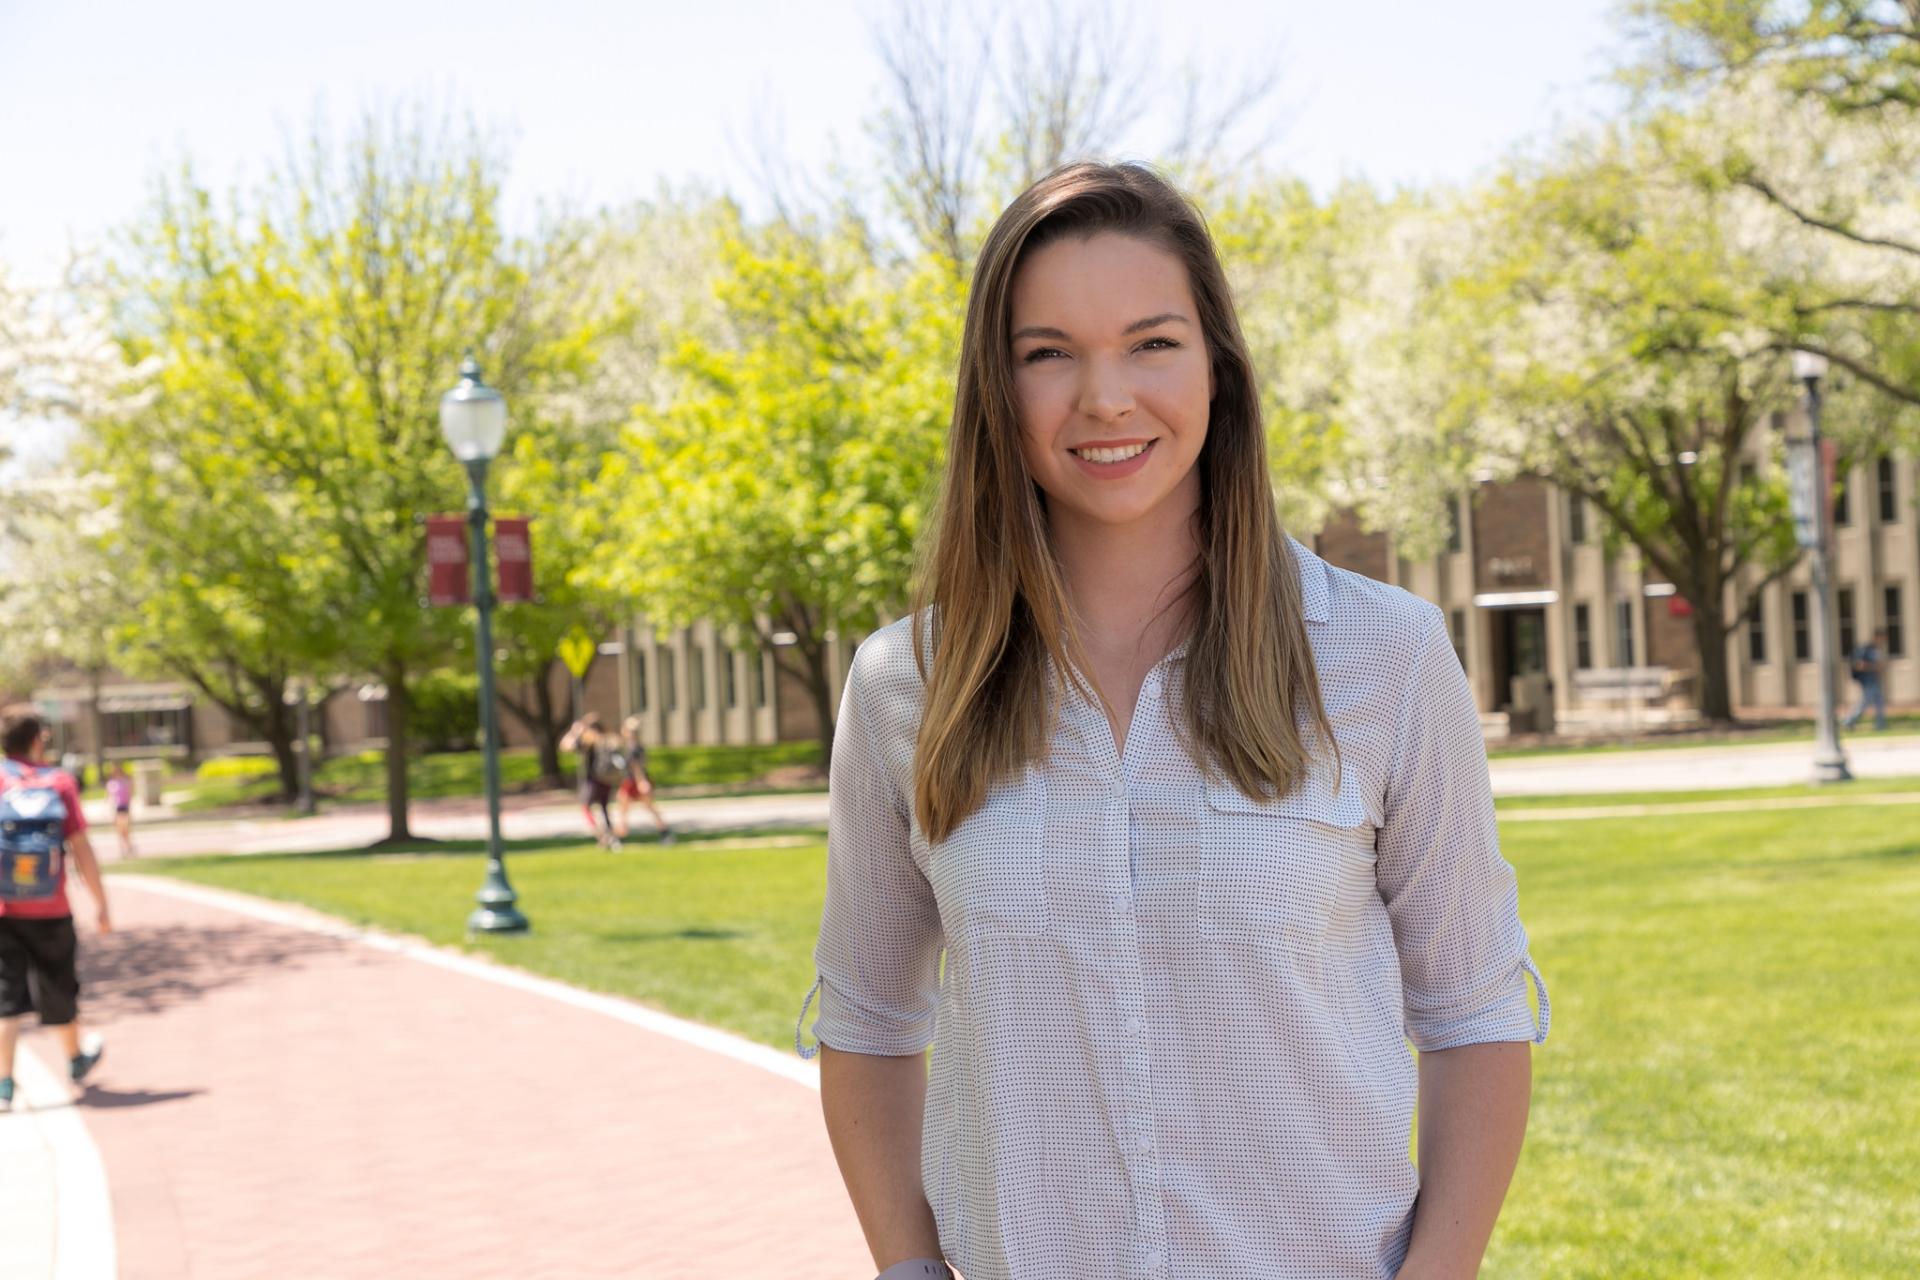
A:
x: 1104, y: 393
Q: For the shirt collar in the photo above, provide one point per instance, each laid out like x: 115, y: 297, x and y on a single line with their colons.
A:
x: 1314, y: 596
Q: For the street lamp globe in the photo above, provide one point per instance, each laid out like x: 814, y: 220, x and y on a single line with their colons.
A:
x: 1809, y: 366
x: 473, y: 417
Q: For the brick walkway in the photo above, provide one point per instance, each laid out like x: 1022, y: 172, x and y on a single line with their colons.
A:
x: 279, y: 1102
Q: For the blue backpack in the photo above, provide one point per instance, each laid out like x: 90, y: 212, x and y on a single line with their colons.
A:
x: 33, y: 834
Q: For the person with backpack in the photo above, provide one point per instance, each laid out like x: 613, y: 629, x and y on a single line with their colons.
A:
x: 602, y: 766
x: 1868, y: 662
x: 637, y: 785
x: 41, y: 827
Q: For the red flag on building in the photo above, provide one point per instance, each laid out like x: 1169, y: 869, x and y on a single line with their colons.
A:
x: 513, y: 551
x: 449, y: 579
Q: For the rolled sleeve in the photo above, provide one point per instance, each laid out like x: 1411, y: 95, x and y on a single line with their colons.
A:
x: 1453, y: 900
x: 877, y: 959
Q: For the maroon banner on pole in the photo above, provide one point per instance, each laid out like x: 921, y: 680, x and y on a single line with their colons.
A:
x: 513, y: 552
x: 449, y: 578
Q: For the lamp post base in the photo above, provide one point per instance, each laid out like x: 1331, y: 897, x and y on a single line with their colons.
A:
x: 1832, y: 769
x: 496, y: 912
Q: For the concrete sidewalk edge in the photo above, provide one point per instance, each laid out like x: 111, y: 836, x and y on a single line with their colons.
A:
x: 81, y: 1205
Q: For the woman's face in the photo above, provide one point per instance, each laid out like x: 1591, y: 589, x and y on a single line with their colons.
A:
x: 1112, y: 378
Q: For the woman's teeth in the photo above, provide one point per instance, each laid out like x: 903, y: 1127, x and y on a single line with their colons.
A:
x: 1112, y: 455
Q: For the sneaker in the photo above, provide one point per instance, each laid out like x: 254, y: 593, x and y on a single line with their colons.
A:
x: 6, y: 1093
x: 613, y: 844
x: 90, y: 1050
x: 666, y: 836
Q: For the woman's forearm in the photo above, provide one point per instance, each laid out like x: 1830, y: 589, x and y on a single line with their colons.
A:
x: 873, y: 1109
x: 1473, y: 1117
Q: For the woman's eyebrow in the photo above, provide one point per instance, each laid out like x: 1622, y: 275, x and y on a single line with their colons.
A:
x: 1045, y: 331
x: 1151, y: 321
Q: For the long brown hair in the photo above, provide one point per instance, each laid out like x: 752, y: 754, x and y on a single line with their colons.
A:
x: 990, y: 592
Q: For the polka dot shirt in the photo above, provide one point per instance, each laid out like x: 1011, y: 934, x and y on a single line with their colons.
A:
x: 1171, y: 1029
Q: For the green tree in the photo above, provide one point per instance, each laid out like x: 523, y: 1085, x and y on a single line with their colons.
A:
x: 304, y: 335
x: 1585, y: 320
x: 783, y: 485
x: 1805, y: 115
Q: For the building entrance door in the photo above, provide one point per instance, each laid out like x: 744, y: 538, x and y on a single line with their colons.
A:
x: 1519, y: 649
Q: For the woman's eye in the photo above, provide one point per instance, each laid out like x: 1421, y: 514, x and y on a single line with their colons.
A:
x: 1041, y: 353
x: 1159, y: 344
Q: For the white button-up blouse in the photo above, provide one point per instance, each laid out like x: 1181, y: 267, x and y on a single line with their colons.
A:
x: 1173, y: 1022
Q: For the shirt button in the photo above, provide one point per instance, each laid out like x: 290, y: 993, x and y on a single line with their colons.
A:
x: 1133, y: 1026
x: 1154, y: 1260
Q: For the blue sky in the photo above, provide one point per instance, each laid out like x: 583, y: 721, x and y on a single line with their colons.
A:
x: 605, y: 100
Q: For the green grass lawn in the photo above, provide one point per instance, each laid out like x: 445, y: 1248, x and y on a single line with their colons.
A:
x: 1729, y: 1089
x: 362, y: 778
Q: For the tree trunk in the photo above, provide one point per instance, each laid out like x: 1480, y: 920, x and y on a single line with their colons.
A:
x: 1716, y: 679
x: 98, y: 726
x: 548, y: 731
x: 320, y: 724
x: 821, y: 690
x: 280, y: 735
x: 398, y: 713
x: 275, y: 724
x: 538, y: 720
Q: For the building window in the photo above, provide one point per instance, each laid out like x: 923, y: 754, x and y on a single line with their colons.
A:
x: 1843, y: 598
x: 1802, y: 637
x: 1883, y: 482
x: 1623, y: 631
x: 1457, y: 628
x: 697, y: 677
x: 1576, y: 519
x: 639, y: 679
x: 147, y: 729
x: 376, y: 716
x: 759, y: 678
x: 1842, y: 497
x: 1582, y: 637
x: 1453, y: 524
x: 669, y: 687
x: 729, y: 681
x: 1756, y: 630
x: 1748, y: 474
x: 1896, y: 633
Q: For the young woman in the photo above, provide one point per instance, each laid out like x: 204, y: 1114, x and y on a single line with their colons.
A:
x: 120, y: 792
x: 637, y: 785
x: 1202, y: 825
x: 601, y: 767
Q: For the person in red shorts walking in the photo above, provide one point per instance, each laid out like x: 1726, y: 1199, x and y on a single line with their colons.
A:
x: 41, y: 826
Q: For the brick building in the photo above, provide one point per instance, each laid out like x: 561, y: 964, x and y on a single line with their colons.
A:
x: 1539, y: 609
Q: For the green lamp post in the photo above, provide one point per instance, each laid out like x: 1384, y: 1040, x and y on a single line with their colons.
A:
x: 473, y: 418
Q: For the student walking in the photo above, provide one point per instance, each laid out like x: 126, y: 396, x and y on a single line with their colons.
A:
x: 120, y: 793
x: 41, y: 827
x: 602, y: 766
x: 638, y: 785
x: 1201, y: 824
x: 1869, y: 664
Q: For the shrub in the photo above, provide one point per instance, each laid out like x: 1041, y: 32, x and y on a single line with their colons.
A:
x: 235, y: 767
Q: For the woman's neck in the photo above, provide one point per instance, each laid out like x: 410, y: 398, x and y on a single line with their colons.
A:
x: 1121, y: 579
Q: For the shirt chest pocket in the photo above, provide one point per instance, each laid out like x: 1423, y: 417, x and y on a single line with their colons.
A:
x: 1285, y: 870
x: 990, y: 874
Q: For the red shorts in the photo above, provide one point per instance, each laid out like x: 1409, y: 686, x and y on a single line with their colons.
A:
x: 630, y: 789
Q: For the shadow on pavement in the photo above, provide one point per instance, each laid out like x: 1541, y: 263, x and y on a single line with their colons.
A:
x: 107, y: 1099
x: 145, y: 970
